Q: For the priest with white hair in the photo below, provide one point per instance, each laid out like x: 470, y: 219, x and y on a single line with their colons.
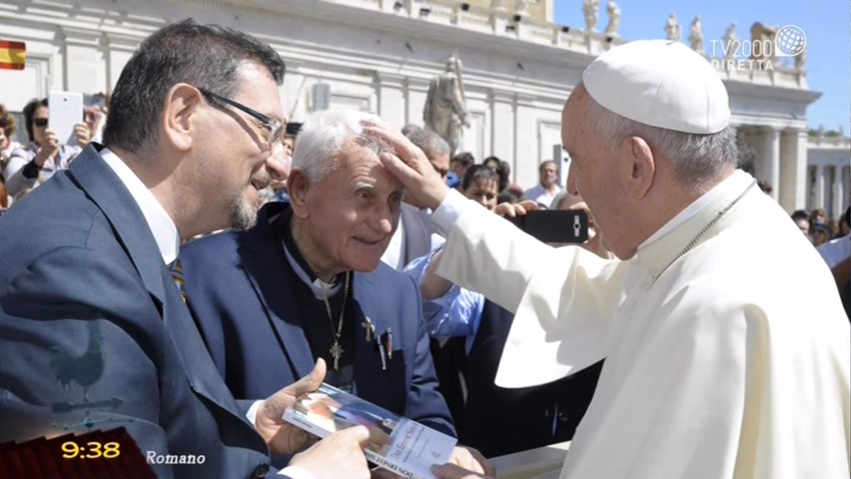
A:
x: 715, y: 367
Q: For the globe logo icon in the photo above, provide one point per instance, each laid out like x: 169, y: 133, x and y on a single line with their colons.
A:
x: 790, y: 41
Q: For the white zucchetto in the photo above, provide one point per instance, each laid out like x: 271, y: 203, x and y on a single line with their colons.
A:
x: 660, y: 83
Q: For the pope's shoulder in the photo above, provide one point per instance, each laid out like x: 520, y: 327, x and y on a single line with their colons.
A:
x: 759, y: 267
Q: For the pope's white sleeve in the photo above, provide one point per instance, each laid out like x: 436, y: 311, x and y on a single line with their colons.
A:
x: 445, y: 216
x: 296, y: 472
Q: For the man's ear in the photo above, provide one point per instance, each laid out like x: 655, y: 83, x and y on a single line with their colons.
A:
x: 643, y: 165
x: 180, y: 115
x: 298, y: 187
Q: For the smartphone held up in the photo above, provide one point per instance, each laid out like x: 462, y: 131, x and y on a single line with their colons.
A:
x: 554, y: 226
x: 66, y: 111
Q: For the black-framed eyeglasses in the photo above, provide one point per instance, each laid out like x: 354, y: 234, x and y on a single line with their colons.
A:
x: 275, y: 127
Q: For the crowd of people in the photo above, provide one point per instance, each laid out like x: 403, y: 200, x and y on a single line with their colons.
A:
x: 229, y: 261
x: 24, y: 167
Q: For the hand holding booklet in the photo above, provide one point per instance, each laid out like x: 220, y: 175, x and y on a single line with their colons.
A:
x: 411, y: 450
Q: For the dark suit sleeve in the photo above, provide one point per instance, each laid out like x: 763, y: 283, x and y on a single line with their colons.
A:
x: 48, y: 319
x: 425, y: 403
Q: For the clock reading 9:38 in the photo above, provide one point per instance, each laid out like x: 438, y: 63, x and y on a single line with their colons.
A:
x: 93, y: 450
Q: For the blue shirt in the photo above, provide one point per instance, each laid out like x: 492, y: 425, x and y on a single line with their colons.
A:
x: 452, y: 180
x: 458, y: 313
x: 282, y: 195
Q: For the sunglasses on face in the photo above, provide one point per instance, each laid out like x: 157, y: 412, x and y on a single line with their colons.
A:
x: 275, y: 128
x: 40, y: 122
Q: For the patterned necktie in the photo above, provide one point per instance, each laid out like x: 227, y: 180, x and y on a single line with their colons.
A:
x: 176, y: 269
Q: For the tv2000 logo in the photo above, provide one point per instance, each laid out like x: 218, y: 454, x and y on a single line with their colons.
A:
x: 789, y: 41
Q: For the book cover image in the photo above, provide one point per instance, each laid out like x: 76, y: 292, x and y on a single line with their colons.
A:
x: 412, y: 449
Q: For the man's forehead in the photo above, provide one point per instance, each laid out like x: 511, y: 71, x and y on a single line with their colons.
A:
x: 485, y: 184
x: 361, y: 165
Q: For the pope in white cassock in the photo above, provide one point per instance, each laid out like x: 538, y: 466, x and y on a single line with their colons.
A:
x: 727, y: 349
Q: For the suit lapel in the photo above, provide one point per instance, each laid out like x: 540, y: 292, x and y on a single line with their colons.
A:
x: 202, y: 373
x: 106, y: 190
x: 131, y: 229
x: 266, y: 267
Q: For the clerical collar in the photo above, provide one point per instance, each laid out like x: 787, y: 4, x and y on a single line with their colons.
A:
x: 728, y: 184
x: 299, y: 264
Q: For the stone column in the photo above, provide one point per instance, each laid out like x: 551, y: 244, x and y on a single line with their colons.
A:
x: 819, y: 202
x: 792, y: 193
x: 391, y: 98
x: 504, y: 124
x: 771, y: 159
x: 839, y: 192
x: 801, y: 185
x: 119, y: 50
x: 415, y: 91
x: 84, y: 66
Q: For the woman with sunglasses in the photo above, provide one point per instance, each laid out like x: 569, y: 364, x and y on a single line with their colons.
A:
x: 45, y: 155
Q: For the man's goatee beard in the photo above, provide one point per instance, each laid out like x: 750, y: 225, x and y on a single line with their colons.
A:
x: 244, y: 214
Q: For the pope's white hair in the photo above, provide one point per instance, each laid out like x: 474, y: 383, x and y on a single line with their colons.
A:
x: 696, y: 159
x: 326, y: 134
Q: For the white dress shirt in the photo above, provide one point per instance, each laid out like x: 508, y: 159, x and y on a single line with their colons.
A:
x: 168, y: 242
x: 541, y: 195
x: 160, y: 223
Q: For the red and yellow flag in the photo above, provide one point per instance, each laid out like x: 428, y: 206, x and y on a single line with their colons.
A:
x: 13, y: 55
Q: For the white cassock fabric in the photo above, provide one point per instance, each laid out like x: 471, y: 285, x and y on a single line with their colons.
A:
x: 733, y: 364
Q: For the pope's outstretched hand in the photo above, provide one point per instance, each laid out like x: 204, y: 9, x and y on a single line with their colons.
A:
x: 410, y: 165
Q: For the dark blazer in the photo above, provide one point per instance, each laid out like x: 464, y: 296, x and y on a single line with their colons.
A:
x: 236, y: 284
x: 484, y: 413
x: 85, y: 300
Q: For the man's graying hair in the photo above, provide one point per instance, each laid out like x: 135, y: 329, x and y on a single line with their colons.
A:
x: 696, y: 159
x: 205, y: 56
x: 430, y: 142
x: 326, y: 135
